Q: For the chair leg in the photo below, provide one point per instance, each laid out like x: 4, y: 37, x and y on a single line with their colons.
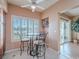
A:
x: 20, y: 50
x: 21, y: 47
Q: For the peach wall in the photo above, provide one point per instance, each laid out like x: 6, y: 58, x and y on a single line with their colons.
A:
x: 52, y: 13
x: 14, y: 10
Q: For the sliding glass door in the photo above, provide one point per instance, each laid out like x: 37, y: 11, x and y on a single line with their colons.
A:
x: 65, y: 31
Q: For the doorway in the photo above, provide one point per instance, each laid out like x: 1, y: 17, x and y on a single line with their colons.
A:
x: 65, y: 33
x: 65, y: 30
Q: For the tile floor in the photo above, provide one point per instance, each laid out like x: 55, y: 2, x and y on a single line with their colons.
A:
x: 68, y: 51
x: 50, y: 54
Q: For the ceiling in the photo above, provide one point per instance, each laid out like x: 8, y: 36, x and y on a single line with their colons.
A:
x: 45, y: 4
x: 73, y: 12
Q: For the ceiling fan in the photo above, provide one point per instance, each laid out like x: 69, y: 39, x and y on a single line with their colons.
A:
x: 33, y: 4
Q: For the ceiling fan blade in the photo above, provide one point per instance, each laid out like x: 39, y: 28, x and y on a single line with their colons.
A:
x: 33, y: 0
x: 30, y: 0
x: 40, y: 7
x: 25, y: 5
x: 38, y: 1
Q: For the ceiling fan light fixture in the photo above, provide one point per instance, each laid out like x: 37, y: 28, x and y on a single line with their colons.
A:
x: 33, y: 8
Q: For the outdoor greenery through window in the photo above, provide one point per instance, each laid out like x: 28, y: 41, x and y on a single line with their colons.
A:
x: 24, y: 28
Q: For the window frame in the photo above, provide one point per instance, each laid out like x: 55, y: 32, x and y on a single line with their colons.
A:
x: 16, y: 40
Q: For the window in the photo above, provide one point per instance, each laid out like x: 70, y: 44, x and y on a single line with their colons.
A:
x: 24, y: 28
x: 1, y: 29
x: 15, y: 28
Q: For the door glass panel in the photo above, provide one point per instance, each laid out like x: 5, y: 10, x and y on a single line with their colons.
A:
x: 64, y: 31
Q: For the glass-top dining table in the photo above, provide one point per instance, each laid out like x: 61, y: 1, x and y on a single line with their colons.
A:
x: 35, y: 45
